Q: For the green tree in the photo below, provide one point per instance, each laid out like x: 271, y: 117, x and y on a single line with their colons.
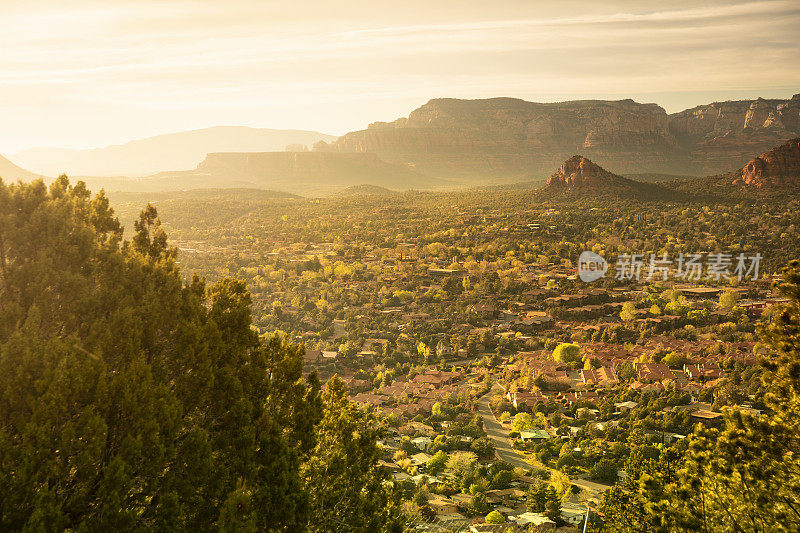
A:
x: 567, y: 353
x: 346, y: 486
x: 604, y: 470
x: 522, y: 422
x: 728, y: 299
x: 495, y: 517
x: 437, y: 463
x: 130, y: 400
x: 628, y: 313
x: 483, y: 447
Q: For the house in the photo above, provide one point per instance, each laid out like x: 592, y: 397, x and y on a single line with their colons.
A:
x: 692, y: 387
x: 420, y: 459
x: 698, y: 293
x: 653, y: 371
x: 311, y: 356
x: 534, y: 434
x: 413, y: 428
x: 527, y: 399
x: 702, y: 372
x: 647, y: 387
x: 442, y: 506
x: 603, y: 376
x: 453, y: 520
x: 535, y: 521
x: 421, y: 442
x: 625, y: 406
x: 706, y: 417
x: 573, y: 513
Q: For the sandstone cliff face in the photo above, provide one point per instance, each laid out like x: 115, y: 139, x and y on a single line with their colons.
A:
x: 729, y: 133
x: 507, y: 137
x: 777, y: 168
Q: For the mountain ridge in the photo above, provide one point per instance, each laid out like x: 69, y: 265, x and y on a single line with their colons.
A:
x: 169, y: 151
x: 9, y: 171
x: 509, y: 137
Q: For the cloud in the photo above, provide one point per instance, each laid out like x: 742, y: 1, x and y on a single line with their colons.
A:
x: 150, y: 61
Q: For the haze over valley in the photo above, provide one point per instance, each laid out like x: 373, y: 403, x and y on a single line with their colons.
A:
x: 417, y: 267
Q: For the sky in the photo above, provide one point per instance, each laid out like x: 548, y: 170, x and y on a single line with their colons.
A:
x: 84, y: 74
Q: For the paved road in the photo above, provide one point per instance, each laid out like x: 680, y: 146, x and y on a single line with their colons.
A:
x: 502, y: 444
x: 498, y: 435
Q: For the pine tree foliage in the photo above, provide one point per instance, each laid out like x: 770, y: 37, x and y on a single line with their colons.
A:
x: 742, y: 478
x: 130, y: 400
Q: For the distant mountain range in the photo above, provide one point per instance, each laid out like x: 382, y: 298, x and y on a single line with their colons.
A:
x: 452, y: 143
x: 306, y: 173
x: 9, y: 172
x: 502, y: 138
x: 173, y: 151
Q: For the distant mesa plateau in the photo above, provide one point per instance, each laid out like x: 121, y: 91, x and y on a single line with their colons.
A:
x: 297, y: 172
x: 452, y: 143
x: 511, y: 138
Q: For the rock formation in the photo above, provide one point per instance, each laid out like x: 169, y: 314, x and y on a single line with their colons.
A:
x: 577, y: 171
x: 728, y: 134
x: 506, y: 137
x: 512, y: 138
x: 776, y: 168
x: 579, y: 176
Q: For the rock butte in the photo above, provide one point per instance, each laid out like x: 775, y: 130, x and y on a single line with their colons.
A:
x: 779, y: 167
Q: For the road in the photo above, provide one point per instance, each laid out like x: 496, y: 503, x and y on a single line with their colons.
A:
x: 502, y: 445
x: 498, y: 435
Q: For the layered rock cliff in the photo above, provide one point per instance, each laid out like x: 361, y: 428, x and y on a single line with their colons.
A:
x: 507, y: 137
x: 724, y: 135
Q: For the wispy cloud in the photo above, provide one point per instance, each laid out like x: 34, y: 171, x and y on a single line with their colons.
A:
x: 133, y: 65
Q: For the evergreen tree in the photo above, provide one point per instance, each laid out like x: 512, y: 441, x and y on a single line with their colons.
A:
x: 132, y: 400
x: 348, y: 490
x: 743, y: 478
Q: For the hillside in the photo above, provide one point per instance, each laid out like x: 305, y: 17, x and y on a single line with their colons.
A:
x: 579, y: 176
x: 359, y: 190
x: 174, y: 151
x: 10, y: 172
x: 303, y: 173
x: 502, y: 138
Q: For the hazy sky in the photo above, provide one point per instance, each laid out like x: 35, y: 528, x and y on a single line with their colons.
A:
x: 99, y: 73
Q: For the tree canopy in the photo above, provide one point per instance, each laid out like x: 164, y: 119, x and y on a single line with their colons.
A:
x: 132, y: 400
